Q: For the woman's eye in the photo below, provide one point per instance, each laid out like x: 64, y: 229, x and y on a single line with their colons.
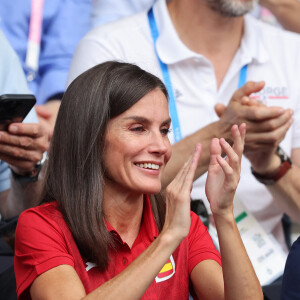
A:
x: 139, y: 129
x: 165, y: 131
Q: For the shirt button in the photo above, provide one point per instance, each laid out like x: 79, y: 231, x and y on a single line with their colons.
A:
x: 125, y: 261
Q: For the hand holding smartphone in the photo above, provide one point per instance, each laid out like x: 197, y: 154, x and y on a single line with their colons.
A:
x: 14, y: 108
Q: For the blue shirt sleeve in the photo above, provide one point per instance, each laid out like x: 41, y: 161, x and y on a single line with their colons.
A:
x: 4, y: 176
x: 62, y: 31
x: 12, y: 81
x: 64, y: 24
x: 107, y: 11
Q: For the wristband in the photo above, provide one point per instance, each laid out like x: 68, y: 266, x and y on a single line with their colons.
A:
x: 270, y: 179
x: 34, y: 174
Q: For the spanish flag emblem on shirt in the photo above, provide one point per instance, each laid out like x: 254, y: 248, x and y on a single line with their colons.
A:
x: 167, y: 271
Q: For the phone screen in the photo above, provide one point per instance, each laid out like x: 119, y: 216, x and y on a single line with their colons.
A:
x: 14, y: 108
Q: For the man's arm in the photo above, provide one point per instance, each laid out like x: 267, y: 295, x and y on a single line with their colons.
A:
x: 265, y: 126
x: 22, y: 147
x: 266, y: 163
x: 19, y: 197
x: 287, y: 12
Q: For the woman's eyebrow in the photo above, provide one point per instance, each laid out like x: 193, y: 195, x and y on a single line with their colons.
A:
x: 145, y: 120
x: 138, y: 119
x: 167, y: 122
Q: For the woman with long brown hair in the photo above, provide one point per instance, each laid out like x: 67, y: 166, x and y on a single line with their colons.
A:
x: 102, y: 230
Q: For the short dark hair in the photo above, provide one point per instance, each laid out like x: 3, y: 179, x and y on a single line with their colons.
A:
x: 74, y: 176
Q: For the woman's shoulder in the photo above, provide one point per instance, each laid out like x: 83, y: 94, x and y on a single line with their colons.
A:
x: 196, y: 222
x: 199, y: 235
x: 47, y: 212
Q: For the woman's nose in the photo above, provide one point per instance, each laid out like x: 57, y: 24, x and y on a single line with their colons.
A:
x: 160, y: 144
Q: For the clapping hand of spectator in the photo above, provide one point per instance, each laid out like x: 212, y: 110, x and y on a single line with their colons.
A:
x: 285, y: 11
x: 266, y: 126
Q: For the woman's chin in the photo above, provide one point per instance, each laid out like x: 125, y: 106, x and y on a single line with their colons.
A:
x: 152, y: 190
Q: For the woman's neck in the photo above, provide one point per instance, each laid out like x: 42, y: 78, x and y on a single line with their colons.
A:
x: 123, y: 211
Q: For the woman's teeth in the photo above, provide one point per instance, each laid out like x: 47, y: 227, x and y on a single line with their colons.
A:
x: 148, y: 166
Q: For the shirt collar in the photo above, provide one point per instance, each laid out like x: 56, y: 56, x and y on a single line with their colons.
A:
x: 171, y: 49
x: 252, y: 46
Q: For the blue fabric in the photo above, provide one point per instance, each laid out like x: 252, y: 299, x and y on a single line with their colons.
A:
x: 64, y: 24
x: 105, y: 11
x: 290, y: 289
x: 12, y: 81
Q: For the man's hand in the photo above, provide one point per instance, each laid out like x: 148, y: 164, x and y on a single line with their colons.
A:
x: 23, y: 146
x: 266, y: 126
x: 47, y: 114
x: 285, y: 11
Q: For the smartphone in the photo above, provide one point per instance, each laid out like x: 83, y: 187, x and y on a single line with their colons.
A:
x: 14, y: 108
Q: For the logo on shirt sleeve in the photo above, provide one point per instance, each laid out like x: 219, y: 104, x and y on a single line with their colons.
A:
x: 90, y: 265
x: 167, y: 271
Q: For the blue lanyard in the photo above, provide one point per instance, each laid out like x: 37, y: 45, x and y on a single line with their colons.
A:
x: 167, y: 78
x: 243, y: 76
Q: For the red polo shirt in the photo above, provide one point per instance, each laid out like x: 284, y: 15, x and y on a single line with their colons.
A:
x: 44, y: 241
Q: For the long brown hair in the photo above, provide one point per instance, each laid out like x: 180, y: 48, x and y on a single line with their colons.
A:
x: 74, y: 176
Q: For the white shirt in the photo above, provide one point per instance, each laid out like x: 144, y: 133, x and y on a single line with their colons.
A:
x: 271, y: 54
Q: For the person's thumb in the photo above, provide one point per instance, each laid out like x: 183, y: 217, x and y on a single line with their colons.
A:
x: 43, y: 112
x: 247, y: 89
x: 219, y: 109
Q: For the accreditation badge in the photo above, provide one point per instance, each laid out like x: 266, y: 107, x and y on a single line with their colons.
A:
x: 266, y: 255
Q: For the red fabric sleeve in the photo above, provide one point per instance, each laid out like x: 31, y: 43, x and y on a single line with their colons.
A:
x: 40, y: 245
x: 201, y: 246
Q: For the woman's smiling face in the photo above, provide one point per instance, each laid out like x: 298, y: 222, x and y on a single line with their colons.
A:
x: 137, y: 146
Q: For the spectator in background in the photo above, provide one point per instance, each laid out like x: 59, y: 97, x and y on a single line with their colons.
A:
x: 44, y: 33
x: 21, y: 149
x: 107, y: 11
x: 210, y: 48
x: 291, y: 276
x: 285, y: 12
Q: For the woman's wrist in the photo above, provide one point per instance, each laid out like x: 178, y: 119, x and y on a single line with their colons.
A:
x: 171, y: 238
x: 223, y: 215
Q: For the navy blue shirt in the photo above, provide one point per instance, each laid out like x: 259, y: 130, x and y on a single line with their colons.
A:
x: 291, y: 277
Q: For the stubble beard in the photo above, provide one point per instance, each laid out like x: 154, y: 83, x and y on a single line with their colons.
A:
x: 232, y: 8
